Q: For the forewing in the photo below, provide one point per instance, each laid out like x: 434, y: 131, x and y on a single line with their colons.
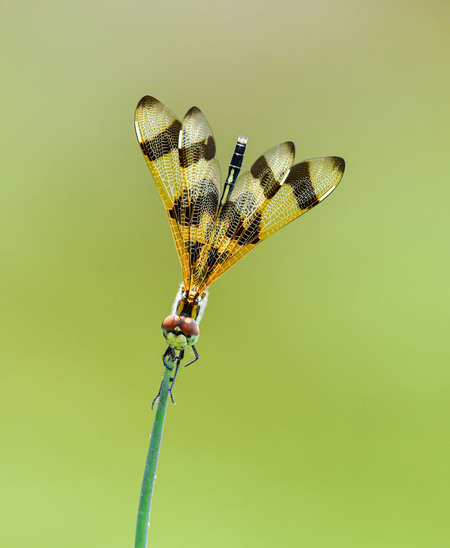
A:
x: 307, y: 184
x: 239, y: 219
x: 200, y: 172
x: 158, y: 130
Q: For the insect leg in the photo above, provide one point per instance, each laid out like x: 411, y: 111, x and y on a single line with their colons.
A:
x: 169, y: 353
x: 195, y: 354
x: 157, y: 395
x: 172, y: 381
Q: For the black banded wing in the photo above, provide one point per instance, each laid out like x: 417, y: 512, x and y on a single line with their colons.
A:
x: 182, y: 159
x: 213, y: 234
x: 196, y: 208
x: 267, y: 197
x: 239, y: 217
x: 158, y: 131
x: 307, y: 184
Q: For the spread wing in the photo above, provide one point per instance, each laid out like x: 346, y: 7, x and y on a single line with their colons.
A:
x: 196, y: 208
x: 182, y: 159
x: 271, y: 194
x: 211, y: 237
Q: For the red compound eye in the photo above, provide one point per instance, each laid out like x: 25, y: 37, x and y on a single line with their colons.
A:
x: 189, y: 327
x: 171, y: 322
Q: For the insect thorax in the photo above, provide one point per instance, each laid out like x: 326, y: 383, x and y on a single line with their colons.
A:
x: 181, y: 329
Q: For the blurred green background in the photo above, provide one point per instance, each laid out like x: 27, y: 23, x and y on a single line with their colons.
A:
x: 318, y: 414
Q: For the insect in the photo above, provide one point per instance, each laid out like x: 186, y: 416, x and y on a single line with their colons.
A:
x: 213, y: 228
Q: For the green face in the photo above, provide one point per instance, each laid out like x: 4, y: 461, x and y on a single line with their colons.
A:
x: 176, y: 341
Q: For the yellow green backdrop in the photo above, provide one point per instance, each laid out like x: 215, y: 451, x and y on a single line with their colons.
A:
x: 318, y: 413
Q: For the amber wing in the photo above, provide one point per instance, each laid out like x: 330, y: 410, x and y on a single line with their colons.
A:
x: 211, y: 237
x: 182, y: 159
x: 271, y: 194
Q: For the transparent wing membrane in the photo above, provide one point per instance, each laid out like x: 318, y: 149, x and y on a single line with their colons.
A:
x: 212, y: 235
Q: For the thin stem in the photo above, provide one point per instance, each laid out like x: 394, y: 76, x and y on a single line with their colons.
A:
x: 148, y: 483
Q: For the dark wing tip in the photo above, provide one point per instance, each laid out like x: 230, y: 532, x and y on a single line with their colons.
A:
x: 148, y: 101
x: 339, y: 163
x: 193, y: 111
x: 291, y: 146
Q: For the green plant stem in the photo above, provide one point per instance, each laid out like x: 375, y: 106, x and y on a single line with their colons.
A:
x: 148, y: 483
